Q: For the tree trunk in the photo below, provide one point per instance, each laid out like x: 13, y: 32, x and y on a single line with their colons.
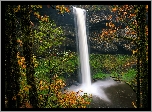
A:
x: 143, y: 64
x: 138, y: 80
x: 27, y: 51
x: 12, y: 72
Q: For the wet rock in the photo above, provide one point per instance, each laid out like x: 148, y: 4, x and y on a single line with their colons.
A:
x: 121, y: 96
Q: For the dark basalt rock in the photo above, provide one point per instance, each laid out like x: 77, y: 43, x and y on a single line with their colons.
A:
x: 121, y: 96
x: 96, y: 22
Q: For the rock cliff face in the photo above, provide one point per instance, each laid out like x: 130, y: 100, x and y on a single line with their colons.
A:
x: 96, y: 22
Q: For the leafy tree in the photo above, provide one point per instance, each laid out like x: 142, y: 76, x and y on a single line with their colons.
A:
x: 57, y: 97
x: 47, y: 36
x: 134, y: 17
x: 26, y: 63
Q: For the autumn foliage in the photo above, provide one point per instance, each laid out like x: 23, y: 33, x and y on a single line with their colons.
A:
x: 55, y: 97
x: 60, y: 98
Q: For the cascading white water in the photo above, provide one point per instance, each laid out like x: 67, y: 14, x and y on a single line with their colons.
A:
x: 95, y: 88
x: 80, y: 15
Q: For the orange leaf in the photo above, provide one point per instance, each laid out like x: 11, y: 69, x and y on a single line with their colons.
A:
x: 114, y: 9
x: 133, y: 32
x: 146, y: 6
x: 125, y: 13
x: 111, y: 32
x: 132, y: 15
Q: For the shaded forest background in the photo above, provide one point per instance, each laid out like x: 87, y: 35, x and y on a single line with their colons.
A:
x: 33, y: 32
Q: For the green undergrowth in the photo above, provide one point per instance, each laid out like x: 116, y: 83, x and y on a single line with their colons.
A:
x: 119, y: 67
x: 102, y: 66
x: 124, y: 76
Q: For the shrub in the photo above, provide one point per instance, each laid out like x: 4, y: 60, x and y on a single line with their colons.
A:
x: 129, y: 76
x: 100, y: 75
x: 50, y: 95
x: 62, y: 99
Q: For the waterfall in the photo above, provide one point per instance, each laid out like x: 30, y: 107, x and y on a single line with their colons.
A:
x: 96, y: 88
x: 80, y: 22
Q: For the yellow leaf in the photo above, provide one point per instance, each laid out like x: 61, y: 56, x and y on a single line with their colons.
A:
x: 29, y: 86
x: 46, y: 19
x: 106, y: 24
x: 40, y: 6
x: 134, y: 51
x: 26, y: 88
x: 15, y: 9
x: 35, y: 13
x: 134, y: 104
x: 38, y: 16
x: 57, y: 7
x: 41, y: 82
